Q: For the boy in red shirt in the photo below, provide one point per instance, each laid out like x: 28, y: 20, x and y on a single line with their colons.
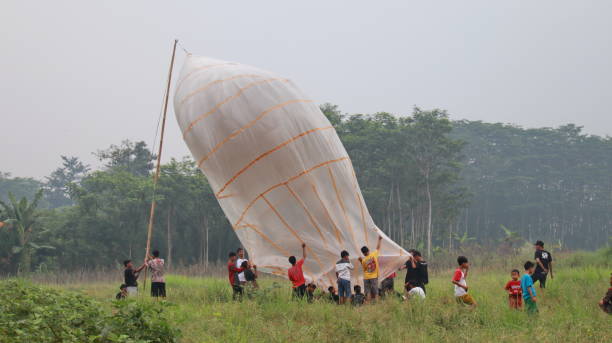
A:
x: 296, y: 275
x: 459, y: 280
x: 233, y: 272
x: 515, y: 294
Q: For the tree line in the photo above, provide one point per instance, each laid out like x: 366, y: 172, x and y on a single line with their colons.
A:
x: 429, y: 182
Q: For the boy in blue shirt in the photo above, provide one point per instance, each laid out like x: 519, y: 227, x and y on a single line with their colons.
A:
x: 529, y: 292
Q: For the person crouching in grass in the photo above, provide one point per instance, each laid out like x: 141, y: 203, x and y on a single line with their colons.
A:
x: 333, y: 297
x: 122, y: 292
x: 459, y: 280
x: 606, y: 302
x: 528, y: 289
x: 310, y: 290
x: 358, y: 298
x: 513, y: 287
x: 414, y: 292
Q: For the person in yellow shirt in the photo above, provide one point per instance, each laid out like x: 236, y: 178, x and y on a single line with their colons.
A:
x: 370, y: 270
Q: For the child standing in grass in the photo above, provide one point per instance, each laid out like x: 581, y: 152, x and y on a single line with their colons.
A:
x: 513, y: 287
x: 459, y: 280
x: 343, y: 273
x: 529, y: 292
x: 233, y: 271
x: 239, y: 261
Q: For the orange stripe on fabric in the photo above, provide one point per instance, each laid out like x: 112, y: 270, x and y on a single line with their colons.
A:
x: 292, y: 230
x: 312, y: 221
x: 180, y: 83
x: 278, y: 147
x: 361, y: 209
x: 250, y: 124
x: 336, y: 230
x: 287, y: 226
x: 282, y: 183
x: 339, y: 197
x: 228, y: 99
x: 265, y: 237
x: 201, y: 89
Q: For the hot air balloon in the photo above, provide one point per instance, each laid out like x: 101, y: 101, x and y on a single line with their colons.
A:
x: 277, y: 168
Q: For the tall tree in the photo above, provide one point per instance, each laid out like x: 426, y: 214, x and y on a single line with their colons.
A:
x: 433, y: 152
x: 57, y: 187
x: 21, y: 216
x: 132, y: 157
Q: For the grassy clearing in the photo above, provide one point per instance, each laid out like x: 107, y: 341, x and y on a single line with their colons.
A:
x: 203, y: 310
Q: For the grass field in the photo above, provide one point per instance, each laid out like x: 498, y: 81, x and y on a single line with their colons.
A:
x: 202, y: 308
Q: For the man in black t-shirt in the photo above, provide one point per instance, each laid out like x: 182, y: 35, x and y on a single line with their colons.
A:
x: 416, y: 270
x: 543, y: 264
x: 130, y: 276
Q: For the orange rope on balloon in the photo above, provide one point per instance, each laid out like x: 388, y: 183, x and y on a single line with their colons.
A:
x: 210, y: 84
x: 310, y: 217
x: 250, y: 124
x: 282, y: 183
x: 228, y: 99
x: 276, y: 148
x: 331, y: 220
x: 292, y: 230
x: 361, y: 209
x: 180, y: 83
x: 265, y: 237
x: 339, y: 197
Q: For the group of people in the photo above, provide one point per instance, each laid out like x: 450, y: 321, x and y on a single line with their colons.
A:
x: 129, y: 288
x: 243, y: 275
x: 521, y: 289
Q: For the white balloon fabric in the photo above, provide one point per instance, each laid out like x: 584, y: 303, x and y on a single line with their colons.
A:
x: 278, y: 170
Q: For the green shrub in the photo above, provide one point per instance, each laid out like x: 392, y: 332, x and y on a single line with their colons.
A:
x: 34, y: 314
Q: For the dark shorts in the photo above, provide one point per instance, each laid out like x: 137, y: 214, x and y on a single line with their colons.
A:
x: 299, y: 291
x: 158, y: 289
x: 344, y: 288
x: 237, y: 291
x: 531, y: 306
x: 370, y: 286
x: 539, y: 277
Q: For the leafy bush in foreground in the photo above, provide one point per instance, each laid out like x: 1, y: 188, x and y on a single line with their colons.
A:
x: 34, y: 314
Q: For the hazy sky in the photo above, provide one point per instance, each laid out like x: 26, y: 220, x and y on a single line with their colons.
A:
x: 77, y: 76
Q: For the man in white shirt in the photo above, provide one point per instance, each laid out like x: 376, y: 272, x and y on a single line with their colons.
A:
x: 414, y: 292
x: 343, y: 272
x: 240, y: 253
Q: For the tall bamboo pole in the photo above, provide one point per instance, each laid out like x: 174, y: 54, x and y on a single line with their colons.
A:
x: 159, y: 155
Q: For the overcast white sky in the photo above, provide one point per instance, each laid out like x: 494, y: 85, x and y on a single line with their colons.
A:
x: 77, y: 76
